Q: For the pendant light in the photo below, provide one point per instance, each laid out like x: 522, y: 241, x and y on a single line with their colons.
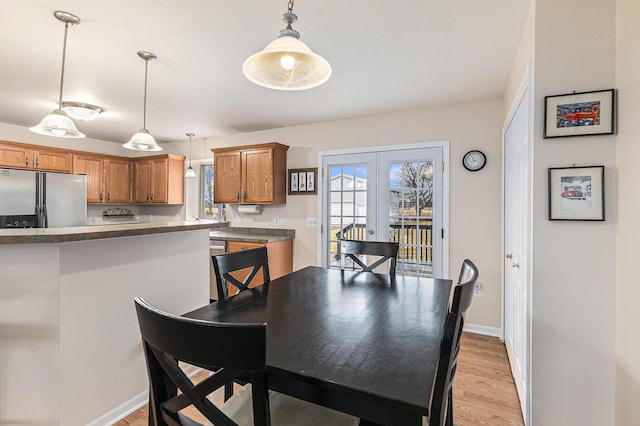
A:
x: 287, y: 63
x: 190, y: 172
x: 143, y: 141
x: 57, y: 123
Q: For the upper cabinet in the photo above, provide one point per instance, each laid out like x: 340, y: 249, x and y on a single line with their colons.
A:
x: 108, y: 178
x: 252, y: 174
x: 159, y: 179
x: 28, y: 157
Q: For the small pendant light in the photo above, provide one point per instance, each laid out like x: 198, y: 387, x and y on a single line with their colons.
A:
x: 190, y: 172
x: 287, y: 63
x: 143, y: 141
x: 57, y: 123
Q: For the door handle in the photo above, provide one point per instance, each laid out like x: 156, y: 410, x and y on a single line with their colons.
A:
x: 515, y: 265
x: 370, y: 231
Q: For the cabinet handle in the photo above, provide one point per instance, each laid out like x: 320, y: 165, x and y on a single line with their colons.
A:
x: 108, y: 197
x: 238, y: 195
x: 147, y: 197
x: 37, y: 162
x: 101, y: 196
x: 244, y: 195
x: 152, y: 196
x: 27, y: 157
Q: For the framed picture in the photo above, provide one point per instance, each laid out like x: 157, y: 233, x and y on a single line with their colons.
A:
x: 576, y: 193
x: 303, y: 181
x: 579, y: 114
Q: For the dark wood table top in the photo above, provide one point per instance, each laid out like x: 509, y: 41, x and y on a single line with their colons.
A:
x: 351, y: 341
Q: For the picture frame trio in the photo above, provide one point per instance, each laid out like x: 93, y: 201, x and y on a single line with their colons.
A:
x: 577, y: 193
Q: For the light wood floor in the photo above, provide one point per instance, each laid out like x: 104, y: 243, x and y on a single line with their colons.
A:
x: 484, y: 391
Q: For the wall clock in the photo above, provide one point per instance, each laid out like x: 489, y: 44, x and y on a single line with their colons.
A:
x: 474, y: 160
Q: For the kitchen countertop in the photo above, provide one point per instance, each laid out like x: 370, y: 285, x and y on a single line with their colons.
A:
x: 252, y: 235
x: 82, y: 233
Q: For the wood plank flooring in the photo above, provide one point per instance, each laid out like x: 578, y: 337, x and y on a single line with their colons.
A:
x: 484, y: 391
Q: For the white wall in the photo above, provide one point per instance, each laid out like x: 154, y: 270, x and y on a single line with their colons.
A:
x: 627, y: 348
x: 573, y: 262
x: 475, y: 197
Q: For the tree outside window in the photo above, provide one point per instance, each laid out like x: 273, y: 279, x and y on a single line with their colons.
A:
x: 209, y: 209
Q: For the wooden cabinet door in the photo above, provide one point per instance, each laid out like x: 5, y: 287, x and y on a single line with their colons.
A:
x: 142, y: 173
x: 242, y: 273
x: 52, y: 160
x: 15, y: 157
x: 227, y: 177
x: 257, y: 176
x: 93, y: 167
x: 118, y: 181
x: 159, y: 180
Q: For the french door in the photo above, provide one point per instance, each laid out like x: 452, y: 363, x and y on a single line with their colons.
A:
x: 389, y: 195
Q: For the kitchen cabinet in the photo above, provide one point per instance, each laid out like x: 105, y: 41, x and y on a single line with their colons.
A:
x: 252, y: 174
x: 280, y: 255
x: 29, y: 157
x: 108, y: 178
x: 159, y: 179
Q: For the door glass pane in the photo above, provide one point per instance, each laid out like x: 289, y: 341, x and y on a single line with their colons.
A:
x: 411, y: 215
x: 348, y: 210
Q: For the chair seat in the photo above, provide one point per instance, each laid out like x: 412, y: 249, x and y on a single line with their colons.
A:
x: 285, y: 411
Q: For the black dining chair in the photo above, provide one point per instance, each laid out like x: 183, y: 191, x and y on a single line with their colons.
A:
x: 229, y: 351
x: 387, y: 251
x: 225, y: 264
x: 441, y: 404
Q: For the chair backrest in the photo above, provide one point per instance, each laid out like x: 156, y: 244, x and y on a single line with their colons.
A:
x: 441, y: 404
x: 224, y: 264
x: 388, y: 251
x: 462, y: 300
x: 228, y: 350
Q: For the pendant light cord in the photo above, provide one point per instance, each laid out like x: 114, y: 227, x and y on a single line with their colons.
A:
x: 144, y: 109
x: 64, y: 54
x: 290, y: 6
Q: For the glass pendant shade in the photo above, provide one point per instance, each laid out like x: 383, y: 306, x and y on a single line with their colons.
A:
x: 57, y: 124
x: 142, y: 141
x: 287, y: 64
x: 190, y: 173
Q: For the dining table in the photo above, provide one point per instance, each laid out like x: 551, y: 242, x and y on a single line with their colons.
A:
x: 357, y: 342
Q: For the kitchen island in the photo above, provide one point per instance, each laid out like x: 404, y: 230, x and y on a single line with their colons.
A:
x: 70, y: 346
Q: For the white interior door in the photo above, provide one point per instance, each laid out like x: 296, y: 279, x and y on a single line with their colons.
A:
x: 517, y: 190
x: 389, y: 195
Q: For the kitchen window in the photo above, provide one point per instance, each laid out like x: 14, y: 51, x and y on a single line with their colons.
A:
x: 209, y: 209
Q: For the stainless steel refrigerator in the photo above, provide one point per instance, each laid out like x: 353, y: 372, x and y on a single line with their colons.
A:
x: 30, y: 199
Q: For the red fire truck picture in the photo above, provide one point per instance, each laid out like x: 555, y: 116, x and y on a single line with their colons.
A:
x: 582, y: 114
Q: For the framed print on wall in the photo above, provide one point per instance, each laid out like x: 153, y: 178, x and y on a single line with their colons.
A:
x: 576, y: 193
x: 303, y: 181
x: 579, y: 114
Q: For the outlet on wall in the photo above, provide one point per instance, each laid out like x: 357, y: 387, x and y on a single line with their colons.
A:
x: 477, y: 289
x: 237, y: 220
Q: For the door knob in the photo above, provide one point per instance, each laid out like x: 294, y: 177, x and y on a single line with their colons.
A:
x: 370, y: 231
x: 509, y: 256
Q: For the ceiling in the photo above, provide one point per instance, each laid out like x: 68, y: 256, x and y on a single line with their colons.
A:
x: 386, y: 56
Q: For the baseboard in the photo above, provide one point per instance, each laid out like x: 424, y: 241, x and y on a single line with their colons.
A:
x: 123, y: 410
x: 484, y: 330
